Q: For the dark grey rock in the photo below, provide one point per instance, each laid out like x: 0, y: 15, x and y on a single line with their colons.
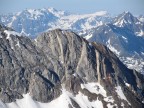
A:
x: 58, y: 59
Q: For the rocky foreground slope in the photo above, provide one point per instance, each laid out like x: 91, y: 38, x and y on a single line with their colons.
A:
x: 64, y: 70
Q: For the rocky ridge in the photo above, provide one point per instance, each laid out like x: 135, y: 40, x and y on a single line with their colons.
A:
x: 122, y: 34
x: 58, y: 60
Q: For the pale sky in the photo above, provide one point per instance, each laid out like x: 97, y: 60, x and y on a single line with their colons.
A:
x: 75, y: 6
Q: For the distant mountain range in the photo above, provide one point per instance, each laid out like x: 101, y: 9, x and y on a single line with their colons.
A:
x: 123, y: 34
x: 35, y: 21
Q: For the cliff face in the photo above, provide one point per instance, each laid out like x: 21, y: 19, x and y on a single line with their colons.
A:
x: 58, y: 60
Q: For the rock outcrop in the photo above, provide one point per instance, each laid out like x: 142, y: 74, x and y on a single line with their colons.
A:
x: 61, y: 59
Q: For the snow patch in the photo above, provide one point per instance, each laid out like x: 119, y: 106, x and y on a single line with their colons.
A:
x: 63, y: 32
x: 141, y: 33
x: 94, y: 88
x: 11, y: 33
x: 119, y: 23
x: 83, y: 102
x: 142, y: 53
x: 34, y: 12
x: 88, y: 36
x: 120, y: 93
x: 18, y: 44
x: 55, y: 12
x: 112, y: 48
x: 128, y: 85
x: 124, y: 37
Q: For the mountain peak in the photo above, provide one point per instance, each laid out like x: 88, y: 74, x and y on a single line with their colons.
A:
x: 127, y: 15
x: 126, y: 18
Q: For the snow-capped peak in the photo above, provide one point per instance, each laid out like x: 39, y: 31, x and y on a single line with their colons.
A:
x: 56, y: 12
x: 126, y: 18
x: 34, y: 12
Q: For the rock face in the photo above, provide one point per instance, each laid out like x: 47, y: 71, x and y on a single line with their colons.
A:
x: 58, y: 60
x: 123, y: 34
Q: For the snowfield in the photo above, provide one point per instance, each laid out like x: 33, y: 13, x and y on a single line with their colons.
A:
x: 64, y: 100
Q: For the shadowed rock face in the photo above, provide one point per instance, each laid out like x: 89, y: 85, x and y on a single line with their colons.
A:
x: 61, y: 59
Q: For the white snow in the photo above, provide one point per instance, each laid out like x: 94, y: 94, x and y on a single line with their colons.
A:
x: 80, y: 22
x: 56, y: 13
x: 134, y: 63
x: 122, y: 104
x: 23, y: 33
x: 50, y: 18
x: 34, y: 12
x: 83, y: 102
x: 94, y: 88
x: 18, y: 44
x: 100, y: 13
x: 13, y: 19
x: 90, y: 44
x: 141, y: 33
x: 112, y: 48
x: 61, y: 102
x: 128, y: 85
x: 120, y: 93
x: 11, y: 33
x: 141, y: 18
x: 124, y: 37
x: 142, y: 53
x: 119, y: 23
x: 88, y: 36
x: 98, y: 89
x: 63, y: 32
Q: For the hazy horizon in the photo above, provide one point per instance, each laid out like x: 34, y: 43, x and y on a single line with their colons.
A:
x: 113, y: 7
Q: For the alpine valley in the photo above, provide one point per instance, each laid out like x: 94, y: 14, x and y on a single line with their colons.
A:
x: 77, y: 66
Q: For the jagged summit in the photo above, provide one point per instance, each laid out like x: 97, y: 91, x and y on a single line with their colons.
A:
x: 124, y: 19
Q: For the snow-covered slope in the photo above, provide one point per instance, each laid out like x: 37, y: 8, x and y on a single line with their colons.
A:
x: 65, y: 99
x: 85, y: 21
